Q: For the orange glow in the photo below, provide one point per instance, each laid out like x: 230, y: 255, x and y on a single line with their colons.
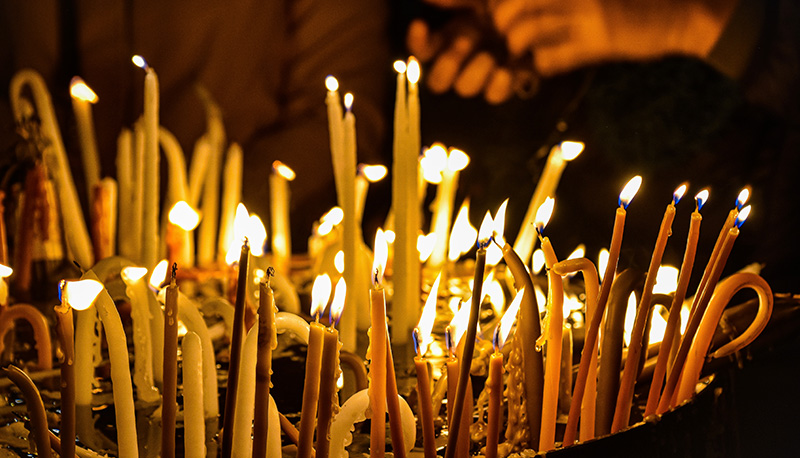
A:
x: 184, y: 216
x: 602, y: 262
x: 373, y: 173
x: 80, y: 294
x: 701, y: 198
x: 537, y: 261
x: 159, y: 274
x: 5, y: 271
x: 743, y: 214
x: 139, y: 62
x: 457, y: 160
x: 425, y: 245
x: 133, y: 274
x: 81, y: 91
x: 379, y: 261
x: 256, y: 234
x: 544, y: 213
x: 320, y: 294
x: 570, y: 150
x: 399, y: 66
x: 338, y: 300
x: 433, y: 163
x: 428, y: 317
x: 507, y: 322
x: 460, y: 321
x: 463, y: 235
x: 412, y: 70
x: 629, y: 191
x: 485, y: 232
x: 283, y: 170
x: 338, y: 261
x: 331, y: 83
x: 679, y: 193
x: 744, y: 196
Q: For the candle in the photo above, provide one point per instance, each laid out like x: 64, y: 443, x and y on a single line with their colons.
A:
x: 83, y: 97
x: 453, y: 163
x: 453, y: 334
x: 267, y: 341
x: 41, y: 330
x: 231, y: 196
x: 137, y: 202
x: 673, y: 321
x: 346, y: 158
x: 392, y: 402
x: 625, y: 396
x: 279, y: 215
x: 484, y: 238
x: 495, y: 379
x: 34, y: 406
x: 565, y: 378
x: 75, y: 232
x: 5, y: 272
x: 170, y: 372
x: 79, y: 295
x: 177, y: 187
x: 182, y: 220
x: 210, y: 210
x: 235, y: 351
x: 152, y: 158
x: 413, y: 74
x: 198, y: 170
x: 724, y: 293
x: 124, y: 163
x: 546, y: 186
x: 3, y: 240
x: 366, y: 174
x: 377, y: 350
x: 320, y: 294
x: 30, y: 225
x: 245, y: 397
x: 104, y: 217
x: 329, y: 373
x: 120, y: 372
x: 701, y: 303
x: 194, y: 427
x: 552, y: 333
x: 137, y: 293
x: 422, y: 339
x: 584, y: 394
x: 529, y: 330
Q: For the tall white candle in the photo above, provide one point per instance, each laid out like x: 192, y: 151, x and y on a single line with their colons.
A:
x: 124, y: 164
x: 207, y: 236
x: 546, y: 187
x: 356, y: 297
x: 75, y: 231
x: 335, y: 134
x: 87, y: 351
x: 231, y: 196
x: 279, y: 216
x: 82, y: 99
x: 442, y: 217
x: 137, y: 201
x: 177, y: 188
x: 137, y: 292
x: 198, y: 169
x: 194, y: 425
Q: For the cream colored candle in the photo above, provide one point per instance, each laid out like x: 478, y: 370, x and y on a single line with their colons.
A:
x: 546, y: 186
x: 75, y: 231
x: 207, y: 236
x: 335, y: 132
x: 88, y: 330
x: 83, y: 97
x: 198, y: 170
x: 194, y: 425
x: 279, y: 212
x: 177, y: 187
x: 376, y: 352
x: 124, y: 162
x: 351, y: 245
x: 137, y: 293
x: 231, y: 196
x: 455, y: 161
x: 137, y: 202
x: 245, y: 398
x: 104, y: 217
x: 120, y: 372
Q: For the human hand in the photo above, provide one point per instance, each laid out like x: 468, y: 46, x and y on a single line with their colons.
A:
x: 567, y: 34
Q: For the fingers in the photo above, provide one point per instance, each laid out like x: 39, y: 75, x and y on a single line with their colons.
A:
x: 475, y: 75
x: 499, y: 88
x: 446, y: 68
x: 421, y: 42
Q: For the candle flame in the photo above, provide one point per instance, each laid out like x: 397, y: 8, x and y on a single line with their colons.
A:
x: 80, y: 90
x: 743, y: 197
x: 412, y: 70
x: 701, y: 198
x: 630, y: 319
x: 493, y: 291
x: 140, y: 62
x: 184, y: 216
x: 485, y: 232
x: 381, y: 254
x: 337, y: 306
x: 5, y: 271
x: 629, y: 191
x: 433, y: 163
x: 494, y: 253
x: 427, y: 318
x: 348, y: 101
x: 571, y: 304
x: 544, y: 213
x: 390, y: 236
x: 666, y: 280
x: 463, y: 234
x: 133, y: 274
x: 241, y: 223
x: 602, y: 262
x: 570, y: 150
x: 399, y: 66
x: 578, y: 252
x: 334, y: 217
x: 457, y: 160
x: 283, y: 170
x: 256, y: 234
x: 338, y: 261
x: 159, y: 274
x: 742, y: 216
x: 425, y: 245
x: 331, y: 83
x: 503, y: 329
x: 658, y: 325
x: 373, y: 173
x: 320, y: 294
x: 678, y: 194
x: 80, y: 294
x: 537, y: 261
x: 460, y: 321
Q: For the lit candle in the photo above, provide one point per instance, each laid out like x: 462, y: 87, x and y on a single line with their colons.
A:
x: 137, y: 293
x: 235, y: 351
x: 701, y: 303
x: 78, y: 295
x: 584, y: 394
x: 267, y: 341
x: 392, y: 401
x: 546, y: 186
x: 120, y: 372
x: 75, y: 231
x: 152, y: 158
x: 495, y: 380
x: 702, y: 341
x: 529, y: 329
x: 422, y: 339
x: 552, y: 332
x: 673, y: 321
x: 629, y: 374
x: 231, y: 196
x: 170, y: 372
x: 484, y: 238
x: 329, y: 373
x: 366, y: 174
x: 377, y: 350
x: 3, y: 239
x: 5, y: 272
x: 194, y: 427
x: 413, y: 74
x: 279, y: 211
x: 453, y: 163
x: 182, y: 220
x: 346, y: 160
x: 320, y: 294
x: 83, y: 97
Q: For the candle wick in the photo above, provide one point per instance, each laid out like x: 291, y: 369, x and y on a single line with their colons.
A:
x: 174, y: 272
x: 78, y: 266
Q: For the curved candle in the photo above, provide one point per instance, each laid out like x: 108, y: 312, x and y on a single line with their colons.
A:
x: 41, y: 331
x: 120, y: 372
x: 555, y: 318
x: 231, y: 196
x: 137, y: 292
x: 194, y: 426
x: 34, y: 406
x: 267, y: 341
x: 702, y: 341
x: 353, y: 411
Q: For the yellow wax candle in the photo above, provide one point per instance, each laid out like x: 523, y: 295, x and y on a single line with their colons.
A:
x: 194, y: 427
x: 377, y: 351
x: 555, y: 318
x: 327, y: 390
x: 104, y: 217
x: 231, y: 196
x: 495, y: 387
x: 350, y: 232
x: 83, y: 97
x: 207, y: 236
x: 124, y: 163
x: 425, y: 407
x: 170, y: 372
x: 279, y: 211
x: 455, y: 161
x: 143, y: 370
x: 673, y: 321
x: 267, y: 341
x: 393, y: 404
x: 308, y: 414
x: 629, y: 374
